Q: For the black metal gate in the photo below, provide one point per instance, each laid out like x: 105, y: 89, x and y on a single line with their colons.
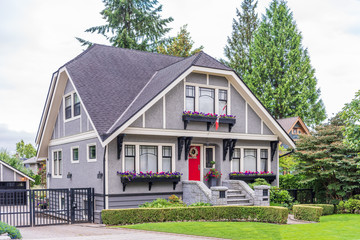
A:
x: 24, y: 208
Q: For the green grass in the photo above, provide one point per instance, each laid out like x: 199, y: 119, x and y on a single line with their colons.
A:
x: 340, y: 226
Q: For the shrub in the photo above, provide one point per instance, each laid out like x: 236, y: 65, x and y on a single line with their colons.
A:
x: 258, y: 182
x: 307, y: 213
x: 352, y: 205
x: 175, y: 199
x: 328, y: 209
x: 223, y: 213
x: 12, y: 232
x: 340, y: 207
x: 280, y: 196
x: 160, y: 203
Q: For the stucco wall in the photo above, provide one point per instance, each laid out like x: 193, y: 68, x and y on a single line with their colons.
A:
x: 254, y: 122
x: 196, y: 78
x: 84, y: 173
x: 154, y: 116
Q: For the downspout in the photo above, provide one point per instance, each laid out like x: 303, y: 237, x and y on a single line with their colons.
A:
x: 104, y: 179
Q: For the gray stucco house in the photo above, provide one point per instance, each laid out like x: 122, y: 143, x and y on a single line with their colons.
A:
x: 112, y: 109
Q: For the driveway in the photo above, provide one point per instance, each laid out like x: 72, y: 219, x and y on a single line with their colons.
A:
x: 96, y: 232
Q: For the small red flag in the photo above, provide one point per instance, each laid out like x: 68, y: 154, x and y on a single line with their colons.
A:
x: 217, y: 124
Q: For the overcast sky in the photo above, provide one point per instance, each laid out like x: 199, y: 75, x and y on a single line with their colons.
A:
x: 37, y: 37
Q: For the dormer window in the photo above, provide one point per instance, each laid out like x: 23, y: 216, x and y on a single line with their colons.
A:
x: 72, y: 106
x: 200, y: 98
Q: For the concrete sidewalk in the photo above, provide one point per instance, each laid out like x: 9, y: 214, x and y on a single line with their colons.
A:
x: 96, y: 232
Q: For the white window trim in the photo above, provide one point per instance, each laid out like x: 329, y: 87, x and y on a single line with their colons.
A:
x: 52, y: 163
x: 258, y: 158
x: 71, y: 154
x: 216, y: 96
x: 137, y: 156
x: 71, y: 94
x: 87, y: 152
x: 205, y: 147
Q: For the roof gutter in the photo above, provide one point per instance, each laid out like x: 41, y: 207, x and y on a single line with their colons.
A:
x: 291, y: 152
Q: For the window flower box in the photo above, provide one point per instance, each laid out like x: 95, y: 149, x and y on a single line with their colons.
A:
x: 209, y: 118
x: 250, y: 177
x: 150, y: 178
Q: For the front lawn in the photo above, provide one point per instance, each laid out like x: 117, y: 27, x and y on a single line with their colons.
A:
x: 338, y: 226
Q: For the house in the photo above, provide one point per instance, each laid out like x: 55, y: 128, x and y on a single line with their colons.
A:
x: 294, y: 126
x: 112, y: 109
x: 33, y: 164
x: 11, y: 178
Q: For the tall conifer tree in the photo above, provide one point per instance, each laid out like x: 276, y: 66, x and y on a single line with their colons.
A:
x: 134, y: 24
x: 237, y: 50
x: 281, y: 74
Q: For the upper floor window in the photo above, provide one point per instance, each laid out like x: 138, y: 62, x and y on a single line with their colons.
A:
x: 75, y: 154
x: 190, y: 98
x: 206, y: 99
x: 91, y: 152
x: 57, y: 163
x: 222, y: 101
x: 72, y: 106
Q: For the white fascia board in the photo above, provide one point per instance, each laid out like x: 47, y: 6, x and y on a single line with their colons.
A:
x: 46, y: 108
x: 200, y: 134
x: 82, y: 103
x: 73, y: 138
x: 147, y: 106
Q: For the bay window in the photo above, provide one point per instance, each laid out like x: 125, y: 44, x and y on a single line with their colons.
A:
x: 264, y: 160
x: 166, y: 159
x: 236, y: 160
x: 130, y: 158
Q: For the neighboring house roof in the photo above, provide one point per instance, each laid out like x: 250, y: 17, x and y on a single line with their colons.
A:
x: 32, y: 160
x: 15, y: 170
x: 288, y: 124
x: 115, y: 84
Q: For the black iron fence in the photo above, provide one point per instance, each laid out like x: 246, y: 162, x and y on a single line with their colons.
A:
x: 302, y: 195
x: 23, y: 208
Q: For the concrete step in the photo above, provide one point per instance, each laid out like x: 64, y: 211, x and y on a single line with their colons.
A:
x: 234, y: 192
x: 236, y: 196
x: 238, y: 200
x: 240, y: 204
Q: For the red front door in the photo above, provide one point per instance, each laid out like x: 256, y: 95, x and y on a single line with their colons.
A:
x: 194, y: 163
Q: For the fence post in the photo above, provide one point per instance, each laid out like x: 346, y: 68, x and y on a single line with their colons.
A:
x: 72, y: 202
x: 89, y: 204
x: 312, y: 196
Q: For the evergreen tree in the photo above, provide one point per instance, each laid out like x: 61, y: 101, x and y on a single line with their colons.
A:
x: 237, y: 49
x: 281, y: 74
x: 327, y: 163
x: 180, y: 45
x: 134, y: 24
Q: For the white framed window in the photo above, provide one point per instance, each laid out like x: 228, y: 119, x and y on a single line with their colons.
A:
x: 209, y: 156
x: 75, y: 154
x: 206, y: 98
x: 252, y: 158
x: 143, y: 157
x: 235, y: 162
x: 71, y: 106
x: 91, y: 152
x: 57, y: 163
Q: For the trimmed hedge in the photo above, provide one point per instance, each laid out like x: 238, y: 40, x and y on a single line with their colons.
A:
x: 213, y: 213
x: 307, y: 213
x: 328, y: 209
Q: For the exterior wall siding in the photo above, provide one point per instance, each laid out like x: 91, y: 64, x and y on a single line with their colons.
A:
x: 254, y: 122
x: 266, y: 130
x: 218, y: 81
x: 154, y: 116
x: 84, y: 173
x: 196, y: 78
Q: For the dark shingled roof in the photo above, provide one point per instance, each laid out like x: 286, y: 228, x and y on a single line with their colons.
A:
x: 115, y: 83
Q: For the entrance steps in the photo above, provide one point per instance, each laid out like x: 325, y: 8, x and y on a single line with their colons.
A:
x: 236, y: 197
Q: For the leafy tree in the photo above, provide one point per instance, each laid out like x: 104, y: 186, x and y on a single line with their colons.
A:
x: 351, y: 117
x: 134, y: 24
x: 287, y: 163
x: 180, y: 45
x: 25, y: 150
x: 14, y: 162
x: 281, y: 74
x: 327, y: 163
x: 237, y: 50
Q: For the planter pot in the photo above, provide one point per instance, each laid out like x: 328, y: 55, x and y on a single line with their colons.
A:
x: 212, y: 182
x: 251, y: 178
x: 150, y: 181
